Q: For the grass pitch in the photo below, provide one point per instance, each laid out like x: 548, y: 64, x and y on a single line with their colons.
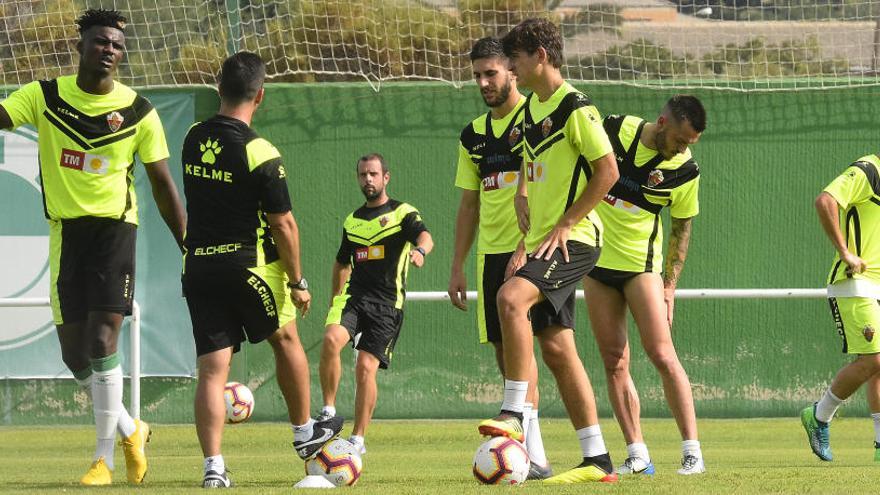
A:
x: 421, y: 457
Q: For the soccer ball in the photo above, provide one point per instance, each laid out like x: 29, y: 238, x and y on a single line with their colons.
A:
x: 239, y: 402
x: 501, y: 461
x: 338, y: 461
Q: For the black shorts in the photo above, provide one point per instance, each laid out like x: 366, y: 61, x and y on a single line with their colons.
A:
x: 556, y: 279
x: 613, y: 278
x: 233, y: 304
x: 372, y: 327
x: 491, y: 276
x: 92, y: 264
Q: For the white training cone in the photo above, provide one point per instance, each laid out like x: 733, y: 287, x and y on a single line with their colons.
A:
x: 314, y: 481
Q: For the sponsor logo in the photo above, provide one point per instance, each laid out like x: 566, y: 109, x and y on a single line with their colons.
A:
x: 546, y: 125
x: 369, y: 253
x: 264, y: 293
x: 383, y: 221
x: 64, y: 111
x: 621, y: 204
x: 210, y: 150
x: 208, y: 173
x: 500, y: 180
x: 86, y: 162
x: 549, y: 271
x: 868, y: 332
x: 219, y: 249
x: 114, y: 121
x: 514, y: 135
x: 282, y: 174
x: 655, y: 177
x: 536, y: 171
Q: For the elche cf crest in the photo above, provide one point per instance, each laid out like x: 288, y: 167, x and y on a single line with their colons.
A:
x: 513, y: 137
x: 655, y: 178
x: 383, y: 221
x: 546, y: 126
x: 114, y: 121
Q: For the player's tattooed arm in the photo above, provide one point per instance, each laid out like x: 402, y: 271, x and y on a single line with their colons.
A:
x: 676, y: 252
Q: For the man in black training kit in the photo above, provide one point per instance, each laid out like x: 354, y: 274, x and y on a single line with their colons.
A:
x: 379, y: 242
x: 91, y: 127
x: 241, y: 253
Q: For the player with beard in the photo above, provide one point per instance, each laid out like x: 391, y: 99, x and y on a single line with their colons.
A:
x: 379, y: 242
x: 489, y: 159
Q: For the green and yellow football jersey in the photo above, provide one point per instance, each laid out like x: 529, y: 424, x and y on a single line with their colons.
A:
x: 489, y: 161
x: 561, y: 137
x: 87, y: 145
x: 857, y: 192
x: 630, y: 212
x: 376, y: 243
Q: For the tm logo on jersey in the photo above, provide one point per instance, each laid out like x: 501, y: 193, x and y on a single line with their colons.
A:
x: 536, y: 171
x: 210, y: 150
x: 500, y: 180
x: 369, y: 253
x: 86, y: 162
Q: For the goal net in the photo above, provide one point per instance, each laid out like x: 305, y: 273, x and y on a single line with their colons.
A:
x: 736, y: 44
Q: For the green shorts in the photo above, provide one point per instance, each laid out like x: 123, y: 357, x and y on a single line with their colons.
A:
x: 858, y: 323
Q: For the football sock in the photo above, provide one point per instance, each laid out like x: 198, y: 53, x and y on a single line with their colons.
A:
x: 514, y: 396
x: 527, y: 414
x: 592, y: 443
x: 534, y: 442
x: 602, y: 460
x: 304, y: 432
x: 691, y: 447
x: 215, y: 463
x: 827, y: 406
x: 125, y: 425
x: 328, y: 411
x: 876, y: 418
x: 83, y: 378
x: 639, y: 450
x: 107, y: 404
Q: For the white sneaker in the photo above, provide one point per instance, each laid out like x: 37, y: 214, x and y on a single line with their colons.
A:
x: 691, y: 464
x: 361, y: 448
x: 635, y: 465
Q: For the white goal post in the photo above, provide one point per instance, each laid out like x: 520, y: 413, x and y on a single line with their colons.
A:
x: 134, y: 360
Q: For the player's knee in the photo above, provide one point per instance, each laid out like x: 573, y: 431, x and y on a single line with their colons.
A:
x: 616, y: 362
x: 555, y: 355
x: 365, y: 369
x: 75, y: 360
x: 102, y: 345
x: 664, y: 360
x: 508, y: 301
x: 333, y: 342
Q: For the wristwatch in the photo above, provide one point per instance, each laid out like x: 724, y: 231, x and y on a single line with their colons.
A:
x: 303, y: 284
x: 420, y: 250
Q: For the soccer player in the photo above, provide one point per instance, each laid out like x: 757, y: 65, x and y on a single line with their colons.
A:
x: 853, y: 293
x: 569, y: 164
x: 656, y: 170
x: 91, y: 127
x: 242, y: 275
x: 379, y: 242
x: 489, y: 160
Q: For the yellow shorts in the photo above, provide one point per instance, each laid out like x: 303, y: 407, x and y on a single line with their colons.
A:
x: 858, y: 323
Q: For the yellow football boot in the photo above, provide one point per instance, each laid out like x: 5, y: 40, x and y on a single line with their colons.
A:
x: 98, y: 474
x: 133, y: 447
x: 585, y: 473
x: 503, y: 425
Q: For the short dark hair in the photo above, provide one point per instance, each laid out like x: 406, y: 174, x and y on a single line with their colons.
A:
x: 487, y: 47
x: 687, y: 107
x: 534, y: 33
x: 100, y: 17
x: 241, y: 77
x: 374, y: 156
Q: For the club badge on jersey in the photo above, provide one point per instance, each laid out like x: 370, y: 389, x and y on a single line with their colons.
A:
x: 114, y: 121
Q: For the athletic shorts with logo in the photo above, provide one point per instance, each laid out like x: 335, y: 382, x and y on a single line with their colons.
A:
x: 91, y: 265
x: 490, y: 277
x: 558, y: 280
x: 615, y: 279
x: 372, y: 327
x: 858, y: 323
x: 229, y: 305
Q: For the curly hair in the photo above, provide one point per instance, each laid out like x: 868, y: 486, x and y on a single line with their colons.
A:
x: 534, y: 33
x: 100, y: 17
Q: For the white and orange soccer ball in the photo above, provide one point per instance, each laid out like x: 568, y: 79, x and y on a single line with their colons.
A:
x: 239, y: 402
x: 338, y: 461
x: 501, y: 461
